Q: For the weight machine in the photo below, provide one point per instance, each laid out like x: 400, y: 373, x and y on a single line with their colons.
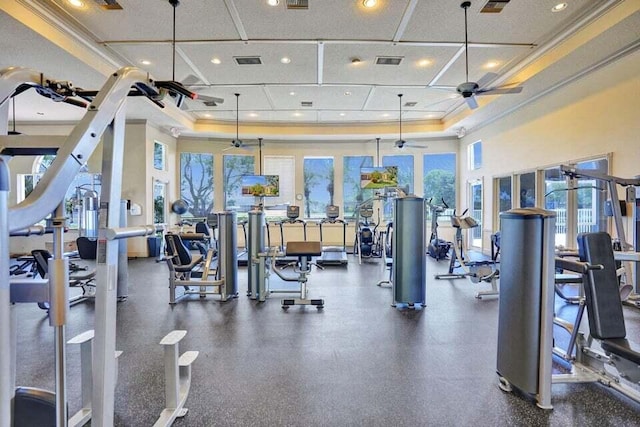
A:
x: 628, y: 251
x: 104, y: 120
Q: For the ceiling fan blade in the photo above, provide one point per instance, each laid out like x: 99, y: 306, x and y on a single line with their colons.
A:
x: 471, y: 102
x: 499, y: 91
x: 414, y: 145
x: 484, y: 80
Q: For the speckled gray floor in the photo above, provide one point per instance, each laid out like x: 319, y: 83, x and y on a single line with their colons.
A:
x: 357, y: 362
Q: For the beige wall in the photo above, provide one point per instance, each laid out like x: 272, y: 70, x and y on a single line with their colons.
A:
x: 594, y: 116
x: 137, y: 170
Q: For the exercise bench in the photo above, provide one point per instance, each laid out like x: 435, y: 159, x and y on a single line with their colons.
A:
x: 304, y: 251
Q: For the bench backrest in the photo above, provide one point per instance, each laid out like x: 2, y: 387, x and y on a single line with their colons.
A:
x: 602, y: 293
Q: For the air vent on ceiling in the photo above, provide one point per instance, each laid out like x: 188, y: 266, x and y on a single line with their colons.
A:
x: 410, y: 104
x: 298, y: 4
x: 109, y: 4
x: 494, y: 6
x: 248, y: 60
x: 389, y: 60
x: 306, y: 103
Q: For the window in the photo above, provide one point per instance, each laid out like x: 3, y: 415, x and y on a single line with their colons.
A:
x: 351, y: 191
x: 318, y: 186
x: 73, y: 199
x: 591, y: 197
x: 234, y: 167
x: 159, y: 201
x: 503, y: 193
x: 159, y: 155
x: 439, y: 179
x: 285, y: 168
x: 527, y: 185
x: 474, y: 155
x: 196, y: 183
x: 555, y: 199
x: 405, y: 178
x: 475, y: 202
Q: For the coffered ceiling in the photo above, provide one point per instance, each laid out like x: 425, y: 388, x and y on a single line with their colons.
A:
x: 332, y: 46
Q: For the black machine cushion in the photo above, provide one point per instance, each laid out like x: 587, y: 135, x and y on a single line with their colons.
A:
x: 177, y: 249
x: 604, y: 306
x: 622, y: 348
x: 87, y: 248
x: 34, y: 407
x: 304, y: 249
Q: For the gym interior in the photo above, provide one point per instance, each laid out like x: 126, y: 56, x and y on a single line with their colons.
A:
x: 291, y: 212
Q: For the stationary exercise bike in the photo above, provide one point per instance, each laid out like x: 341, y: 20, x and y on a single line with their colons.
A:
x: 476, y: 271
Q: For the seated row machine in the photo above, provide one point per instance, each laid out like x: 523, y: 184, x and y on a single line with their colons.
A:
x: 304, y: 251
x: 600, y: 353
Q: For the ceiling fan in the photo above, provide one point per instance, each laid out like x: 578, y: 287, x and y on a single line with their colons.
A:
x: 210, y: 101
x: 401, y: 143
x: 469, y: 90
x: 238, y: 143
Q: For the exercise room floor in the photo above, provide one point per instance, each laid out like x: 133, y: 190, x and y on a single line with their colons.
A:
x: 357, y: 362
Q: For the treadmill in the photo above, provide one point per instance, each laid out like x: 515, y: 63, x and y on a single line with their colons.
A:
x: 333, y: 255
x: 293, y: 212
x: 243, y: 255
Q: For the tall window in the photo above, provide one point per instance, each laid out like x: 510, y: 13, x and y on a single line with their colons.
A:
x: 556, y: 199
x: 234, y: 167
x: 352, y: 193
x: 475, y: 204
x: 503, y: 193
x: 318, y: 185
x: 285, y: 168
x: 591, y: 197
x: 439, y: 178
x: 196, y: 183
x: 159, y: 155
x: 474, y: 155
x: 405, y: 178
x: 527, y: 186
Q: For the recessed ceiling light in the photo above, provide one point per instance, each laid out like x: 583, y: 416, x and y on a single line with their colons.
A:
x: 491, y: 64
x: 285, y: 60
x: 424, y: 62
x: 216, y: 61
x: 145, y: 62
x: 356, y: 60
x: 207, y: 115
x: 253, y: 115
x: 76, y: 3
x: 273, y: 2
x: 385, y: 115
x: 453, y: 96
x: 347, y: 93
x: 342, y: 114
x: 559, y: 7
x: 369, y: 3
x: 292, y: 93
x: 297, y: 114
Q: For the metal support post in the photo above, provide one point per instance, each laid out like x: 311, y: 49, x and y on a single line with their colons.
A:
x: 7, y: 379
x: 104, y: 364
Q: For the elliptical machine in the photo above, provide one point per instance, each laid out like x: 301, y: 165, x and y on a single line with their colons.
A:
x: 437, y: 248
x: 367, y: 244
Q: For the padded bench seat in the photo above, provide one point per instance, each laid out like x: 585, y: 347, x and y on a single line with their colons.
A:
x: 304, y: 249
x: 621, y: 347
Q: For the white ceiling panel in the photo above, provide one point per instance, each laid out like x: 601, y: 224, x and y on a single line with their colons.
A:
x: 339, y: 68
x: 427, y: 99
x: 521, y: 21
x: 32, y: 107
x: 325, y: 19
x: 479, y: 60
x: 301, y: 69
x: 341, y: 98
x: 251, y: 98
x: 22, y: 47
x: 153, y: 19
x: 160, y: 56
